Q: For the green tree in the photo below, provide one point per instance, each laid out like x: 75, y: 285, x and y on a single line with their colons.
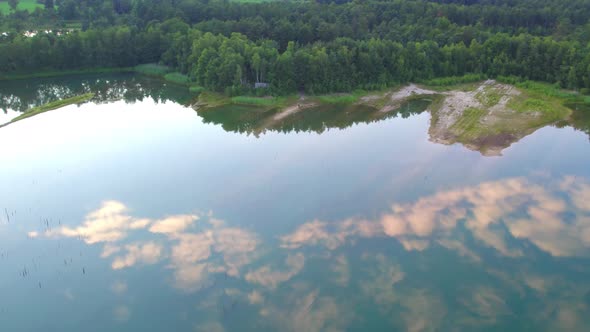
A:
x: 257, y: 64
x: 13, y: 4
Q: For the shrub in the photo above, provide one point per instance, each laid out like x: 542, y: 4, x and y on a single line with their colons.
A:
x: 453, y: 80
x: 177, y: 78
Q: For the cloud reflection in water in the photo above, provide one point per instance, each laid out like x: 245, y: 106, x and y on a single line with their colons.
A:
x: 187, y: 252
x: 555, y: 218
x: 505, y: 217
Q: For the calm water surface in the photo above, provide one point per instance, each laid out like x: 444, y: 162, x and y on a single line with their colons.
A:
x: 136, y: 213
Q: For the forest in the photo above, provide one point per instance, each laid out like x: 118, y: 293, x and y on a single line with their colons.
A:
x: 312, y: 46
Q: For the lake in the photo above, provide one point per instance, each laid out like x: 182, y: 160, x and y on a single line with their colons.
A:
x: 135, y: 212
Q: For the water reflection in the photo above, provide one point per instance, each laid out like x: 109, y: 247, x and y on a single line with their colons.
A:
x: 412, y: 244
x: 580, y: 118
x: 470, y: 258
x: 187, y: 252
x: 265, y: 275
x: 554, y: 217
x: 319, y: 119
x: 21, y: 95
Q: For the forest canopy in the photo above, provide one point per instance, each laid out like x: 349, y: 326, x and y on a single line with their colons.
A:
x: 318, y: 47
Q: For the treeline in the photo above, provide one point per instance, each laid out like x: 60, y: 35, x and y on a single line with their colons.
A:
x: 233, y: 64
x: 313, y: 46
x: 308, y: 21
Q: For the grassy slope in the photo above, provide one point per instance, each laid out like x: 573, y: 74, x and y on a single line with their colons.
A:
x: 53, y: 105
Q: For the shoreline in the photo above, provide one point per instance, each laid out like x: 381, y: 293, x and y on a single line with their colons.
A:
x: 485, y: 116
x: 54, y: 105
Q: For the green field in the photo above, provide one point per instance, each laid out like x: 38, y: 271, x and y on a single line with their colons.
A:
x: 28, y: 5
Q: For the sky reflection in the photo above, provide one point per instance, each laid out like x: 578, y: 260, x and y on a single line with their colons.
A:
x: 371, y: 227
x: 284, y: 280
x: 552, y: 216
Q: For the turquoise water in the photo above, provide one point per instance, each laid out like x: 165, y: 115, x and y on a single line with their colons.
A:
x: 144, y: 215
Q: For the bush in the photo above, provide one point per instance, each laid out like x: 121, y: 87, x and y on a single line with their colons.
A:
x: 177, y: 78
x: 509, y: 79
x: 453, y: 80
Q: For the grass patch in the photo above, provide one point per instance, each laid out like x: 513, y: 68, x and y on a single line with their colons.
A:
x: 55, y: 73
x: 245, y: 100
x: 152, y: 69
x: 532, y: 105
x: 547, y: 107
x: 546, y: 89
x: 208, y: 100
x: 258, y: 101
x: 489, y: 97
x: 468, y: 126
x: 54, y: 105
x: 28, y: 5
x: 546, y: 98
x: 177, y: 78
x: 338, y: 99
